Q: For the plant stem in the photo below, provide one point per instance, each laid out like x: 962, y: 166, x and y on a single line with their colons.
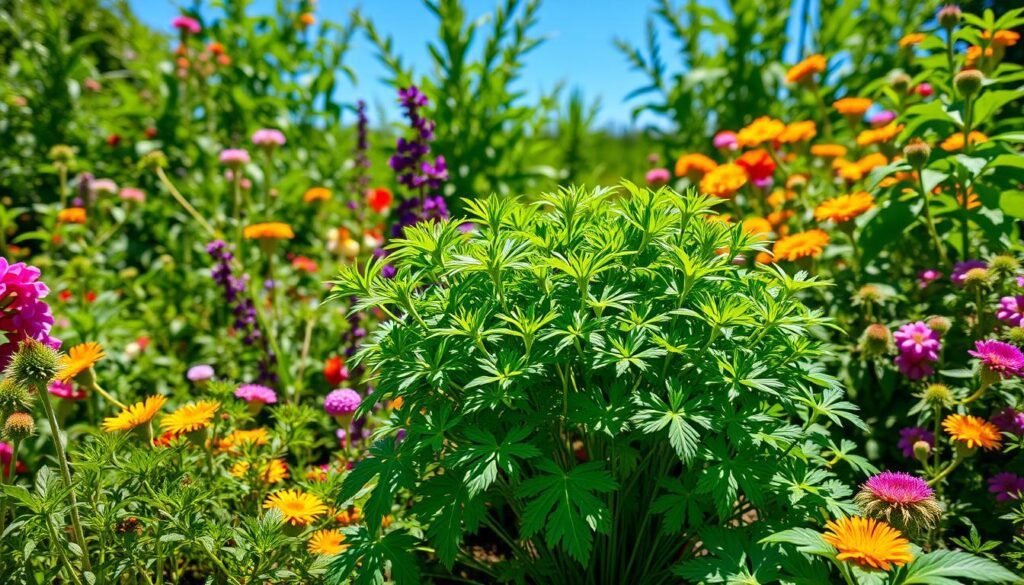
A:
x: 96, y: 388
x: 8, y: 479
x: 184, y: 202
x: 968, y: 114
x: 932, y: 232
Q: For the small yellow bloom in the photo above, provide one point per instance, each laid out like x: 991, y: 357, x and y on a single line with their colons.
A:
x: 724, y: 180
x: 973, y: 431
x: 297, y: 507
x: 845, y: 207
x: 798, y: 132
x: 316, y: 194
x: 71, y: 215
x: 828, y: 150
x: 237, y: 438
x: 79, y: 359
x: 191, y: 417
x: 911, y: 40
x: 852, y: 106
x: 806, y: 69
x: 878, y: 135
x: 135, y: 415
x: 273, y: 230
x: 327, y: 542
x: 804, y: 244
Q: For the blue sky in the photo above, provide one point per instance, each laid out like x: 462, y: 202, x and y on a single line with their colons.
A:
x: 578, y: 50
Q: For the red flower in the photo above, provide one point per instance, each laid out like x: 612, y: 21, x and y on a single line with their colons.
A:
x: 335, y: 371
x: 304, y: 264
x: 113, y: 140
x: 64, y: 296
x: 90, y: 297
x: 758, y: 164
x: 151, y: 133
x: 143, y: 342
x: 379, y: 199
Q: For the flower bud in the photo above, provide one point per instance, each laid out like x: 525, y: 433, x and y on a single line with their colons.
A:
x: 1004, y: 265
x: 1016, y: 336
x: 153, y: 160
x: 976, y: 278
x: 922, y: 451
x: 34, y: 365
x: 13, y: 398
x: 917, y: 152
x: 62, y: 153
x: 968, y: 82
x: 876, y: 340
x: 19, y: 426
x: 938, y: 394
x: 949, y: 16
x: 939, y: 324
x: 900, y: 82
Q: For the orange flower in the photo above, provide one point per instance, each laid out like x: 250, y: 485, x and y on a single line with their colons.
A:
x: 974, y: 54
x: 135, y: 415
x: 956, y: 142
x: 972, y: 431
x: 972, y: 199
x: 867, y: 542
x: 778, y: 218
x: 806, y: 69
x: 779, y: 197
x: 798, y: 132
x: 79, y: 359
x: 852, y: 106
x: 307, y: 19
x: 847, y: 170
x: 316, y: 194
x: 878, y: 135
x: 724, y: 180
x: 911, y: 40
x: 273, y: 230
x: 694, y: 166
x: 1002, y: 38
x: 828, y: 150
x: 871, y: 162
x: 810, y: 243
x: 845, y: 207
x: 757, y: 226
x: 71, y: 215
x: 757, y: 163
x: 761, y: 130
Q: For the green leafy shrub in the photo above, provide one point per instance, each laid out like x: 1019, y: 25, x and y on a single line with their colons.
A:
x: 589, y: 382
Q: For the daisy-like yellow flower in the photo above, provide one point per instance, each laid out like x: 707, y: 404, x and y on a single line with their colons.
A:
x: 828, y: 150
x: 810, y: 243
x: 852, y: 106
x: 694, y: 165
x: 845, y: 207
x: 911, y: 39
x: 867, y: 542
x: 870, y: 162
x: 273, y: 230
x: 71, y: 215
x: 956, y: 141
x: 237, y: 438
x: 878, y: 135
x: 79, y: 359
x: 724, y: 180
x: 135, y: 415
x: 761, y: 130
x: 327, y: 542
x: 191, y: 417
x: 798, y: 132
x: 316, y: 194
x: 271, y: 472
x: 973, y: 431
x: 297, y: 507
x: 1002, y: 38
x: 757, y: 226
x: 806, y: 69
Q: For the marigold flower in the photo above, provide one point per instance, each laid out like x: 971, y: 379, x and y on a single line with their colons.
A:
x: 867, y: 542
x: 761, y: 130
x: 758, y: 164
x: 135, y: 415
x: 724, y: 181
x: 852, y: 106
x: 191, y: 417
x: 71, y: 215
x: 806, y: 68
x: 755, y: 226
x: 972, y: 431
x: 845, y: 207
x: 1002, y: 38
x: 828, y: 150
x: 798, y: 132
x: 911, y: 39
x: 327, y: 542
x: 255, y: 437
x: 314, y: 194
x: 79, y: 359
x: 297, y: 507
x: 694, y: 166
x: 879, y: 135
x: 810, y: 243
x: 956, y: 141
x: 273, y: 230
x: 870, y: 162
x: 271, y: 472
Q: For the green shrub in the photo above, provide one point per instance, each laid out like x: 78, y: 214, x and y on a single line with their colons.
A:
x: 590, y: 380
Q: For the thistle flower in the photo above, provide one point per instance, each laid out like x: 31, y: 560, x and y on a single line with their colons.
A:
x: 14, y: 397
x: 268, y: 138
x: 186, y: 24
x: 342, y: 402
x: 23, y: 313
x: 1006, y: 486
x: 256, y: 395
x: 968, y: 82
x: 909, y: 436
x: 901, y: 499
x: 132, y: 194
x: 867, y: 542
x: 939, y: 324
x: 234, y: 157
x: 998, y: 359
x: 200, y: 373
x: 657, y: 177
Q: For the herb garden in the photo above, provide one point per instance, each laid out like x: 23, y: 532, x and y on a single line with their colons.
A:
x: 253, y: 330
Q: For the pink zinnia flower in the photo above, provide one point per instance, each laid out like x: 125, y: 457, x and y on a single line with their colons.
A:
x: 926, y: 277
x: 186, y: 24
x: 917, y: 341
x: 1001, y: 358
x: 657, y: 177
x: 104, y: 186
x: 725, y: 140
x: 881, y: 118
x: 342, y: 402
x: 268, y: 137
x: 1011, y: 311
x: 256, y: 393
x: 66, y: 390
x: 132, y: 194
x: 911, y: 435
x: 203, y: 373
x: 1020, y: 281
x: 23, y: 313
x: 1009, y: 420
x: 234, y: 157
x: 1006, y: 486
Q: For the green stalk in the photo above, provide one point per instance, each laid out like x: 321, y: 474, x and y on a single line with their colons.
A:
x: 7, y: 480
x: 184, y: 202
x: 968, y: 114
x: 930, y: 224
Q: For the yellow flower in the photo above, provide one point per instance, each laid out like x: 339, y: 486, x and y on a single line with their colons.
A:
x: 761, y: 130
x: 798, y: 132
x: 911, y: 40
x: 757, y: 226
x: 973, y: 431
x: 79, y: 359
x: 956, y: 141
x: 806, y: 68
x: 871, y: 162
x: 828, y: 150
x: 724, y: 180
x: 297, y: 507
x: 273, y: 230
x: 810, y: 243
x: 878, y: 135
x: 71, y: 215
x: 852, y: 106
x: 867, y: 542
x: 316, y: 194
x: 135, y: 415
x: 696, y: 163
x: 327, y: 542
x: 191, y: 417
x: 271, y: 472
x: 845, y: 207
x: 237, y: 438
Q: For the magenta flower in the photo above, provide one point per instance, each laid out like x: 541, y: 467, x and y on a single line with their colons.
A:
x: 23, y: 313
x: 881, y: 118
x: 896, y: 487
x: 1001, y: 358
x: 1020, y: 281
x: 960, y: 270
x: 725, y: 140
x: 342, y: 402
x: 1006, y: 486
x: 186, y: 24
x: 911, y: 435
x: 902, y: 499
x: 657, y: 177
x: 926, y: 277
x: 1009, y: 420
x: 65, y: 390
x: 1011, y: 311
x: 918, y: 341
x: 200, y: 373
x: 256, y: 393
x: 132, y: 194
x: 268, y: 137
x: 234, y: 157
x: 102, y: 187
x: 925, y: 90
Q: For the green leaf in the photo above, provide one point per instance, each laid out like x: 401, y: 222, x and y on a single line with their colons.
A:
x: 805, y: 539
x: 947, y: 567
x: 391, y: 554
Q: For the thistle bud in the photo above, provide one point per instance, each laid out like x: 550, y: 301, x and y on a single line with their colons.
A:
x: 900, y: 82
x: 922, y: 451
x: 34, y: 365
x: 62, y: 153
x: 1004, y: 265
x: 938, y: 394
x: 876, y: 340
x: 19, y: 426
x: 949, y: 16
x: 917, y: 153
x: 976, y: 278
x: 968, y: 82
x: 13, y: 398
x: 1016, y: 336
x: 939, y: 324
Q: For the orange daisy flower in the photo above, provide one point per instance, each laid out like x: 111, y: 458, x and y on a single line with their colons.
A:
x: 845, y: 207
x: 973, y: 431
x: 327, y: 542
x: 806, y: 69
x: 911, y: 40
x: 79, y: 359
x: 135, y: 415
x: 71, y: 215
x: 761, y: 130
x: 316, y: 194
x: 273, y: 230
x: 852, y: 106
x: 297, y: 507
x: 867, y: 542
x: 191, y: 417
x: 879, y: 135
x: 724, y: 180
x: 1002, y: 38
x: 828, y: 150
x: 694, y: 165
x: 956, y: 141
x: 804, y: 244
x: 798, y: 132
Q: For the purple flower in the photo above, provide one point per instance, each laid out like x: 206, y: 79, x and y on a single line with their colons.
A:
x: 911, y: 435
x: 1009, y: 420
x: 234, y: 157
x: 1006, y: 486
x: 896, y: 487
x: 918, y: 342
x: 926, y: 277
x: 186, y: 24
x: 268, y: 138
x: 657, y: 177
x: 881, y: 118
x: 409, y: 161
x: 362, y: 160
x: 256, y: 393
x: 960, y: 270
x: 1011, y: 310
x: 1001, y: 358
x: 199, y: 373
x: 725, y: 140
x: 342, y: 402
x: 23, y: 313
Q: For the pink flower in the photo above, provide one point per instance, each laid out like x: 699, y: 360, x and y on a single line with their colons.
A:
x: 1020, y: 281
x: 1001, y: 358
x: 23, y: 313
x: 132, y: 194
x: 1006, y: 486
x: 103, y: 186
x: 926, y: 277
x: 256, y: 393
x: 342, y: 402
x: 725, y: 140
x: 911, y: 435
x: 202, y: 373
x: 896, y: 487
x: 882, y: 118
x: 268, y: 137
x: 1011, y: 311
x: 657, y: 177
x: 925, y: 90
x: 66, y: 390
x: 917, y: 341
x: 186, y: 24
x: 234, y: 157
